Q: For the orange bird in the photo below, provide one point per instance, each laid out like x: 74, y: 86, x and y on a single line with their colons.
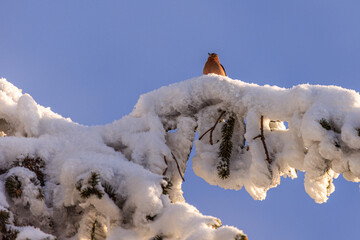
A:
x: 213, y: 65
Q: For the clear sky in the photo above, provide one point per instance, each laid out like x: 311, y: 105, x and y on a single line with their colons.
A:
x: 90, y: 60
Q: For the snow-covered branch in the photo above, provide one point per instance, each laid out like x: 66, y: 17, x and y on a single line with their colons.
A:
x: 76, y: 182
x: 306, y: 145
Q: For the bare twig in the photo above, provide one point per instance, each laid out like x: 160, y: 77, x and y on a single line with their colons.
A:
x: 166, y: 166
x: 212, y: 128
x: 262, y: 137
x: 178, y: 167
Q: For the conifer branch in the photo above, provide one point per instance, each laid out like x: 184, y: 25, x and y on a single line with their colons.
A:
x: 4, y: 219
x: 157, y: 237
x: 262, y: 137
x: 92, y: 189
x: 79, y: 185
x: 212, y: 129
x: 6, y: 231
x: 110, y: 191
x: 358, y: 131
x: 223, y: 166
x: 35, y: 165
x: 10, y: 234
x: 40, y: 195
x: 151, y: 218
x: 325, y: 124
x: 93, y: 229
x: 241, y: 237
x: 13, y: 186
x: 166, y: 187
x: 330, y: 127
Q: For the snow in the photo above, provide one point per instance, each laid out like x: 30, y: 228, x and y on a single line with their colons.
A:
x: 26, y: 233
x: 136, y: 153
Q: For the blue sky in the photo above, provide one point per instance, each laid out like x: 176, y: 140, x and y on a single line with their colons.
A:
x: 90, y: 61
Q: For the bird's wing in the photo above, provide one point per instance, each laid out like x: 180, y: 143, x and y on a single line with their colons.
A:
x: 223, y: 69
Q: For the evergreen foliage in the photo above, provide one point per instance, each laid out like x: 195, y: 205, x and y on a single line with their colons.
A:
x: 157, y: 237
x: 93, y: 189
x: 166, y: 187
x: 151, y: 218
x: 79, y: 185
x: 93, y: 230
x: 223, y: 166
x: 34, y: 164
x: 40, y: 195
x: 325, y: 124
x: 358, y: 131
x: 6, y: 232
x: 9, y: 234
x: 328, y: 126
x: 13, y: 186
x: 94, y: 227
x: 110, y: 191
x: 241, y: 237
x: 337, y: 144
x: 35, y: 181
x: 217, y: 224
x: 4, y: 219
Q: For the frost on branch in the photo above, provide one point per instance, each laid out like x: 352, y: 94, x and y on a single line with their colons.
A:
x: 64, y: 180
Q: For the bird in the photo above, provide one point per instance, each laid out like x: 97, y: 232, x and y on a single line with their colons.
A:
x: 213, y: 65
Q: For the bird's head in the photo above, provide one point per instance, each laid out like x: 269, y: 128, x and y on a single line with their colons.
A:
x: 212, y: 55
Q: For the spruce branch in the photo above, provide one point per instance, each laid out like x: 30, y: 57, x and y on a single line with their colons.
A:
x: 358, y: 132
x: 93, y: 230
x: 157, y: 237
x: 87, y: 192
x: 262, y: 137
x: 166, y: 187
x: 329, y: 126
x: 225, y: 148
x: 151, y: 218
x: 36, y: 165
x: 13, y: 186
x: 10, y: 234
x: 216, y: 224
x: 79, y: 185
x: 325, y: 124
x: 109, y: 190
x: 94, y: 179
x: 92, y: 189
x: 241, y: 237
x: 40, y: 195
x: 4, y: 219
x: 35, y: 181
x: 212, y: 128
x: 6, y: 232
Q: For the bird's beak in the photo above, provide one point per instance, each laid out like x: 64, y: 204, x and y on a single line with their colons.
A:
x: 209, y: 54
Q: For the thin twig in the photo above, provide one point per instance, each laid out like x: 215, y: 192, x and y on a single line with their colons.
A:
x: 178, y: 167
x: 166, y: 166
x: 205, y: 133
x: 212, y: 128
x: 262, y: 137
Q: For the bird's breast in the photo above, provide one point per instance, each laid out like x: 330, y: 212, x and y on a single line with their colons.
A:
x: 212, y: 66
